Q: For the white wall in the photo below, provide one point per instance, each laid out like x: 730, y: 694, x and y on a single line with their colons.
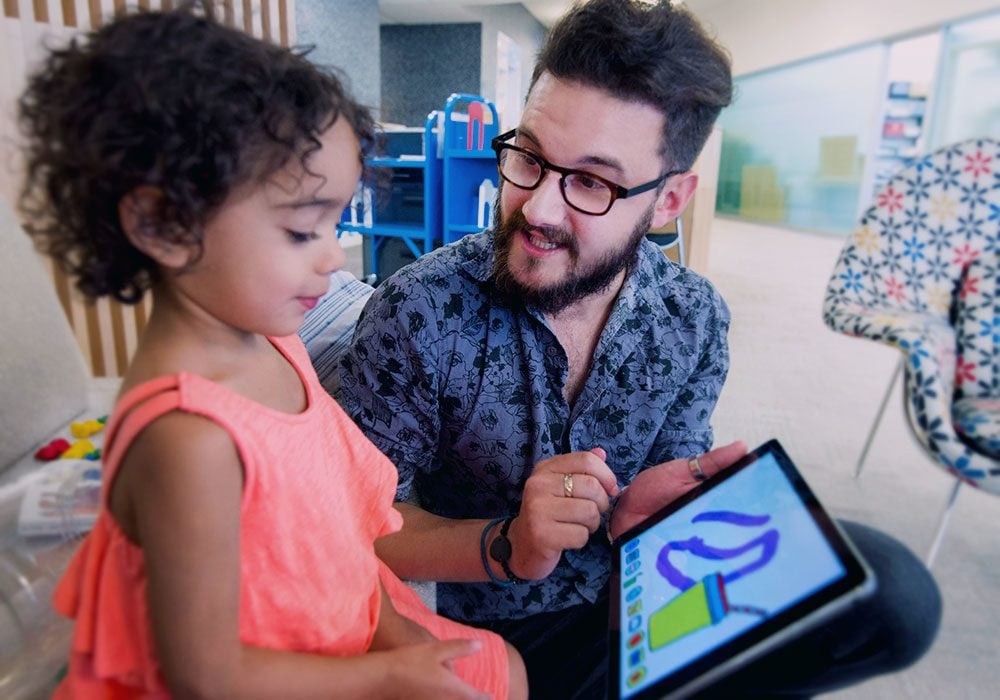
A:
x: 346, y: 35
x: 767, y: 33
x: 517, y: 23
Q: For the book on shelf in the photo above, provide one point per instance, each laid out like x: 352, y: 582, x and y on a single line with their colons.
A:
x: 908, y: 89
x: 892, y: 129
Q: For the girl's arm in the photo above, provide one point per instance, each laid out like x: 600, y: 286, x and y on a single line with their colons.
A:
x: 395, y: 630
x: 178, y: 496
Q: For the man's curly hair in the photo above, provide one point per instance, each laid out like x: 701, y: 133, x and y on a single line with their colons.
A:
x: 650, y: 52
x: 171, y: 100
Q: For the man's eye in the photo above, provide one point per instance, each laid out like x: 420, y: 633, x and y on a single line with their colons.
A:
x: 528, y: 160
x: 585, y: 182
x: 300, y: 236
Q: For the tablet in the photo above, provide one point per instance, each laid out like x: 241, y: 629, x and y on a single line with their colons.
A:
x: 738, y: 565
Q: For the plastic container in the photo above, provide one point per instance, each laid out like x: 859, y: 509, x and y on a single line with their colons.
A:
x: 34, y: 639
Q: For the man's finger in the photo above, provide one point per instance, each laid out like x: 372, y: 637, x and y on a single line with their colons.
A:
x: 585, y: 487
x: 577, y: 512
x: 583, y: 463
x: 714, y: 461
x: 602, y: 472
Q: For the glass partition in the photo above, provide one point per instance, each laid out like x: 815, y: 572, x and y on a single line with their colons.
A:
x: 796, y: 138
x: 968, y: 98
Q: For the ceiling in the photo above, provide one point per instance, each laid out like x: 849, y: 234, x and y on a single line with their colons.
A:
x: 443, y: 11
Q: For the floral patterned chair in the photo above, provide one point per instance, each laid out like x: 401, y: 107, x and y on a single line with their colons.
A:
x: 921, y: 274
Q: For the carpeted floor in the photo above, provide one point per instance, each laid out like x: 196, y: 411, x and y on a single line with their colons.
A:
x: 818, y: 392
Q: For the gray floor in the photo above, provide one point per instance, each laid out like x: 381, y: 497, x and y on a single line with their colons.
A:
x: 818, y: 392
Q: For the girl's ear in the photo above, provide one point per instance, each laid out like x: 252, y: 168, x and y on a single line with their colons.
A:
x: 138, y: 212
x: 674, y: 198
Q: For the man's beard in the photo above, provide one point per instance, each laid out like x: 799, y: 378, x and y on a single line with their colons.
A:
x: 579, y: 282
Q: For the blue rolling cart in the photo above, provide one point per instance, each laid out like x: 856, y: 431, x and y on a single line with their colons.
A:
x: 409, y: 210
x: 469, y: 125
x: 441, y: 186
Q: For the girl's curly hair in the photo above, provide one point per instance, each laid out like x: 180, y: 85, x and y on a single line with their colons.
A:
x: 172, y: 100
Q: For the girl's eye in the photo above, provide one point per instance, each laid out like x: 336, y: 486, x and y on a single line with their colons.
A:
x: 300, y: 236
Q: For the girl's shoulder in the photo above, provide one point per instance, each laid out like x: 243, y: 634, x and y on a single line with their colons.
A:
x: 159, y: 451
x: 184, y: 417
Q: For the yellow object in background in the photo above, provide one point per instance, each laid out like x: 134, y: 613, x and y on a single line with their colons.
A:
x: 761, y: 197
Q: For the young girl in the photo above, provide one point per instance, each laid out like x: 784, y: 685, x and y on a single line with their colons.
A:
x: 234, y: 553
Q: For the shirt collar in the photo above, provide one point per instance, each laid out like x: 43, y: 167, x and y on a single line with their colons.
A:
x: 478, y: 263
x: 648, y: 281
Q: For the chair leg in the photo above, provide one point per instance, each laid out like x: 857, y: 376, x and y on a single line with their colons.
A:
x: 878, y: 418
x: 680, y: 242
x: 945, y: 517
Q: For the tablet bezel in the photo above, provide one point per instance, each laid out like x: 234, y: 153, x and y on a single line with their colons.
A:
x: 857, y: 582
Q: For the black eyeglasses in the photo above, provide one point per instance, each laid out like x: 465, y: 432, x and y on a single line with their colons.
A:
x: 583, y: 191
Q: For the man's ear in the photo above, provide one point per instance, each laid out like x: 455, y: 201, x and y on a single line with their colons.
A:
x: 675, y: 196
x: 138, y: 212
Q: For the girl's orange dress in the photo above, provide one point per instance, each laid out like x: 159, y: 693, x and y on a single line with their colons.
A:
x: 316, y: 495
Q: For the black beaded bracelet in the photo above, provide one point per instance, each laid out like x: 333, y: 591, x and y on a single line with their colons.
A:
x: 482, y: 553
x: 505, y: 560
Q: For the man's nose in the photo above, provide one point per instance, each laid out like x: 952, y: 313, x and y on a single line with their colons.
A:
x: 545, y: 205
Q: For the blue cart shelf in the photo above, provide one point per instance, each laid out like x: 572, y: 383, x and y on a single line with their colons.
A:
x: 470, y: 124
x: 410, y: 208
x: 435, y: 182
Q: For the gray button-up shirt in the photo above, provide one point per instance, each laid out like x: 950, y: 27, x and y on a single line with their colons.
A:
x: 463, y: 389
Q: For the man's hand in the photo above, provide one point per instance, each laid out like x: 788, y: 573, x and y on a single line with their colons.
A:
x: 549, y: 521
x: 659, y: 485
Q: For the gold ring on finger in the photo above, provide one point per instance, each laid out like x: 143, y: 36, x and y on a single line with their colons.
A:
x: 694, y: 466
x: 568, y: 485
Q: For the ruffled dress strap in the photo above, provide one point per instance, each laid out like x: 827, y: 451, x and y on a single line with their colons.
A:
x: 104, y: 587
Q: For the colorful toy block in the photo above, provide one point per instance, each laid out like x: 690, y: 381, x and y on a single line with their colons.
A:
x: 79, y: 450
x: 85, y: 429
x: 53, y: 450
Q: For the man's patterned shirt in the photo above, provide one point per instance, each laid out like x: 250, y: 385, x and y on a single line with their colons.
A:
x: 463, y: 390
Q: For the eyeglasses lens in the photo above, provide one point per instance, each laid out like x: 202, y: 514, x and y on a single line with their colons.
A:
x: 581, y: 192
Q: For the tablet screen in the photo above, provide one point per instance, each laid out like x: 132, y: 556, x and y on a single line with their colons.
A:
x: 737, y: 558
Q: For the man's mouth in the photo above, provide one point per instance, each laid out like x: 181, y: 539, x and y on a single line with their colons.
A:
x: 540, y: 241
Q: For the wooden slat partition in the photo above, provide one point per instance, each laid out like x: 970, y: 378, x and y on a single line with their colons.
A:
x: 106, y: 331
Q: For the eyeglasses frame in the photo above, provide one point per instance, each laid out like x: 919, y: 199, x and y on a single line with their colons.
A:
x: 617, y: 191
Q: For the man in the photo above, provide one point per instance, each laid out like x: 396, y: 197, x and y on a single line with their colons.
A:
x: 521, y: 378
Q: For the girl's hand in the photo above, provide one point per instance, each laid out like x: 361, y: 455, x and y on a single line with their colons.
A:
x: 395, y: 630
x: 426, y: 671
